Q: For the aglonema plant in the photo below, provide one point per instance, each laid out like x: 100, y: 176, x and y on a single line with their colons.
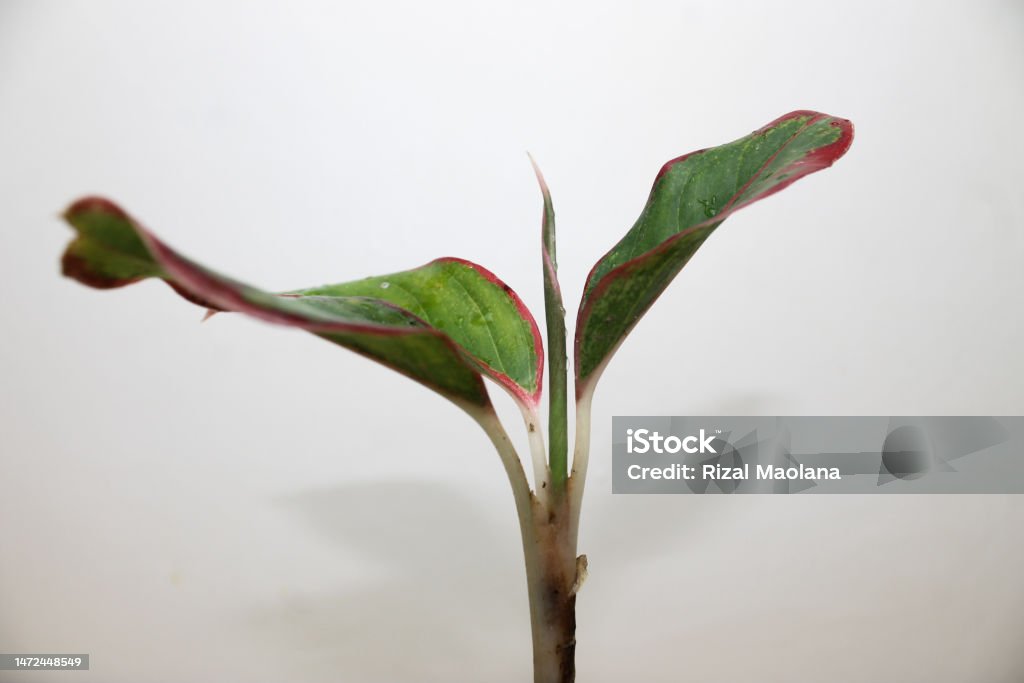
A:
x: 451, y: 323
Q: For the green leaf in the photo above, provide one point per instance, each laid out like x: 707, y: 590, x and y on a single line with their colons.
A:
x: 472, y: 306
x: 113, y: 250
x: 691, y: 197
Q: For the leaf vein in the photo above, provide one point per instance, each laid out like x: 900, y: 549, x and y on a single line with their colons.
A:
x: 487, y: 325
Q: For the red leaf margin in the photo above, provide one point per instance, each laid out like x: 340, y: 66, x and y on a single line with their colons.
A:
x: 197, y: 285
x: 817, y: 160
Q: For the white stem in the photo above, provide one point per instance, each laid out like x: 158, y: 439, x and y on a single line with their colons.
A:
x: 538, y: 452
x: 580, y: 460
x: 529, y: 510
x: 492, y: 426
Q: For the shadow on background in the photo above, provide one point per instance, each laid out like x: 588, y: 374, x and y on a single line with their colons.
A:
x: 449, y: 600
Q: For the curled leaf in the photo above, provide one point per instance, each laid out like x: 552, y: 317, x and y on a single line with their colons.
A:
x: 112, y: 249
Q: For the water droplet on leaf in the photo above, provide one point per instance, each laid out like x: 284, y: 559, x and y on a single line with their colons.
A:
x: 710, y: 205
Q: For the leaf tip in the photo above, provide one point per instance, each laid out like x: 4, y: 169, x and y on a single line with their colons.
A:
x: 846, y: 135
x: 540, y: 176
x: 93, y: 204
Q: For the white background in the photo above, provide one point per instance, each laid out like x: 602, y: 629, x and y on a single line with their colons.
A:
x: 231, y: 501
